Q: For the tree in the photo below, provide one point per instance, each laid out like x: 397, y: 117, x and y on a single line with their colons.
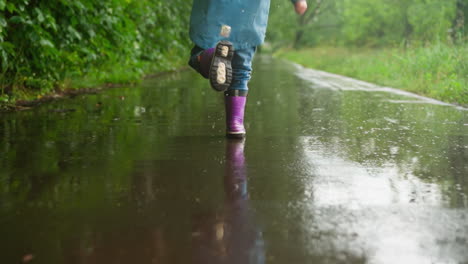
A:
x: 309, y: 17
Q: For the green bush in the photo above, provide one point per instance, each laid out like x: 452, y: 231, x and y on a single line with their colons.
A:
x: 43, y: 43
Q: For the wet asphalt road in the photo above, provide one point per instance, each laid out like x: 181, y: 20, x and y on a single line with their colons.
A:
x: 333, y: 170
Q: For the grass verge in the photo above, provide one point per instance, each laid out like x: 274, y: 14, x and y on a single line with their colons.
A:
x: 439, y: 71
x: 107, y: 75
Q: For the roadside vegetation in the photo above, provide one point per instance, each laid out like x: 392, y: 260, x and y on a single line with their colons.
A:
x: 49, y: 46
x: 438, y: 71
x: 417, y: 45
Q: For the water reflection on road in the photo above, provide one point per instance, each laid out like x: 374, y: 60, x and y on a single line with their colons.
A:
x: 332, y: 171
x: 230, y: 236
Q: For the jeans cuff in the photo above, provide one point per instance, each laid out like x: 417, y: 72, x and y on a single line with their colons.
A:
x: 239, y: 85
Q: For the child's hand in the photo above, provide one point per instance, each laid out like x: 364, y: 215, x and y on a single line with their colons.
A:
x: 301, y: 7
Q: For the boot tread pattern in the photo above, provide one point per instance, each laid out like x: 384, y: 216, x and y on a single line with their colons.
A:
x: 221, y: 69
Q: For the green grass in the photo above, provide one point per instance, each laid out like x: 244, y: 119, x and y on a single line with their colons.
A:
x: 110, y: 73
x: 438, y: 71
x: 129, y: 72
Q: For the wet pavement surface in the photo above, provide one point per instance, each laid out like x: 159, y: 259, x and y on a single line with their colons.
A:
x: 332, y: 171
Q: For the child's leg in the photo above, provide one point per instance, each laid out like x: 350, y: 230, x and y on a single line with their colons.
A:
x: 236, y: 95
x: 242, y: 70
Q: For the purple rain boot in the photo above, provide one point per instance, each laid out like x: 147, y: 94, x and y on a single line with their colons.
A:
x: 215, y: 64
x: 205, y: 59
x: 235, y: 106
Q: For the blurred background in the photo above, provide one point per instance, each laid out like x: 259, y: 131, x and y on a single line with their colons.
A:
x: 417, y: 45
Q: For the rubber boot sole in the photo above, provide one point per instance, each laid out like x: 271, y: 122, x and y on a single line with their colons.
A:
x: 221, y: 68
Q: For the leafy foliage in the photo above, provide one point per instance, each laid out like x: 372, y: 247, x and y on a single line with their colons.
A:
x: 369, y: 22
x: 43, y: 43
x: 417, y: 45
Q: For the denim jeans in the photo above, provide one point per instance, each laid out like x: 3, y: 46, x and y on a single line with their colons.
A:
x: 241, y: 66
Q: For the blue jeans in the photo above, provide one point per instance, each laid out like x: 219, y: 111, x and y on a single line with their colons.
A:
x: 241, y: 66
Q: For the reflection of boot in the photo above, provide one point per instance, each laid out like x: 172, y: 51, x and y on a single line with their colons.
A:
x: 231, y: 235
x: 235, y: 106
x: 235, y: 182
x: 215, y: 64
